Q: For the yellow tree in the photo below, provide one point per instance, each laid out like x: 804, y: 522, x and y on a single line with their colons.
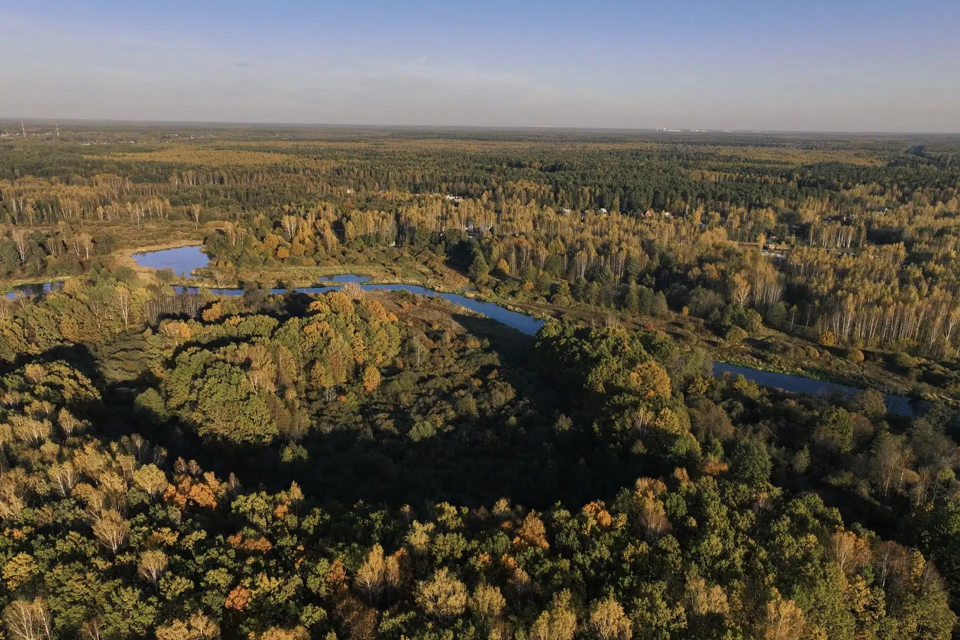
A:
x: 371, y: 378
x: 443, y: 596
x: 152, y: 565
x: 111, y: 530
x: 557, y: 623
x: 784, y: 620
x: 369, y: 578
x: 609, y: 622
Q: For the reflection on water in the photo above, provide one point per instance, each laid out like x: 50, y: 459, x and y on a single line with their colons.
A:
x: 33, y: 289
x: 345, y: 278
x: 798, y: 384
x: 184, y: 260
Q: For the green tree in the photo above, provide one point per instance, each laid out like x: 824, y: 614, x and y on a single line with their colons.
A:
x: 750, y: 461
x: 658, y: 307
x: 834, y: 431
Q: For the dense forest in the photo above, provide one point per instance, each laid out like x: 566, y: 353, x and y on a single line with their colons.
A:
x: 182, y: 465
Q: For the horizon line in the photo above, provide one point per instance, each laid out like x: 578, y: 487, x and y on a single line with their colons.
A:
x: 511, y: 127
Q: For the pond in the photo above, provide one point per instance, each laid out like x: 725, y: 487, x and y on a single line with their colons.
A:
x: 184, y: 260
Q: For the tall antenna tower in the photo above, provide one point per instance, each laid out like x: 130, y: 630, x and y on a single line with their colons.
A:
x: 58, y: 130
x: 23, y: 129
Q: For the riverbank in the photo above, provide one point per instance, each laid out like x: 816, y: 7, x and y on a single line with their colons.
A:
x: 768, y: 352
x: 771, y: 351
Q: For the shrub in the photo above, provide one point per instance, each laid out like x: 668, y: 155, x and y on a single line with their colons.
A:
x: 736, y: 335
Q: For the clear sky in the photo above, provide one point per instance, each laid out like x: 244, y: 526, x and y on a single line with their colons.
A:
x: 847, y: 65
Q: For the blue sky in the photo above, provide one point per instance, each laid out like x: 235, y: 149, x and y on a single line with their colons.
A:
x: 846, y: 65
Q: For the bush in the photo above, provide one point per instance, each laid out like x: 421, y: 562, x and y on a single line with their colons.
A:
x: 904, y: 360
x: 736, y: 336
x: 827, y: 339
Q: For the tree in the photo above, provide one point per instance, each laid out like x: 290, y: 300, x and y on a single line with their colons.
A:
x: 111, y: 530
x: 478, y: 269
x: 290, y: 225
x: 370, y: 575
x: 197, y: 627
x: 371, y: 378
x: 870, y: 403
x: 609, y: 622
x: 704, y: 600
x: 152, y: 565
x: 322, y: 378
x: 19, y: 570
x: 740, y: 290
x: 659, y: 308
x: 28, y: 620
x: 122, y: 299
x: 487, y: 602
x: 651, y: 381
x: 784, y: 621
x: 21, y: 239
x: 228, y: 408
x: 848, y: 550
x: 750, y: 461
x: 557, y: 623
x: 443, y: 596
x: 890, y: 458
x: 63, y: 477
x: 834, y: 432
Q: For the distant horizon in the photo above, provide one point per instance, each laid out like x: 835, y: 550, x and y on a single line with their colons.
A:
x: 859, y: 66
x: 14, y: 120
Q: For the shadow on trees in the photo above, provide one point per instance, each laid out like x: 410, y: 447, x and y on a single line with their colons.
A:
x: 525, y: 454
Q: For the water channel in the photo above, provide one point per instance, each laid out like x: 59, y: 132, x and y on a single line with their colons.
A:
x: 184, y: 260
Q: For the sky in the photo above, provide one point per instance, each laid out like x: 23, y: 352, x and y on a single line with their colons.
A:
x: 815, y: 65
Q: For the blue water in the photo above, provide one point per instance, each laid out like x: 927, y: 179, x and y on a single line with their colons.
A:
x: 33, y: 289
x: 798, y: 384
x: 185, y: 260
x: 345, y: 278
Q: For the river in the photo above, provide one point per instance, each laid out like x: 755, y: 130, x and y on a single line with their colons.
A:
x: 184, y: 260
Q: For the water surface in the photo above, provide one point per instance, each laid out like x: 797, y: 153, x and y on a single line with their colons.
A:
x: 898, y: 405
x: 183, y: 260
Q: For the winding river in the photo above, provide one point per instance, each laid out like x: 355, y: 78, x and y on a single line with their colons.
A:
x: 184, y: 260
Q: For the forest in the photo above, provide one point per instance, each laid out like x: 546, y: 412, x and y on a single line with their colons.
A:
x: 177, y: 464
